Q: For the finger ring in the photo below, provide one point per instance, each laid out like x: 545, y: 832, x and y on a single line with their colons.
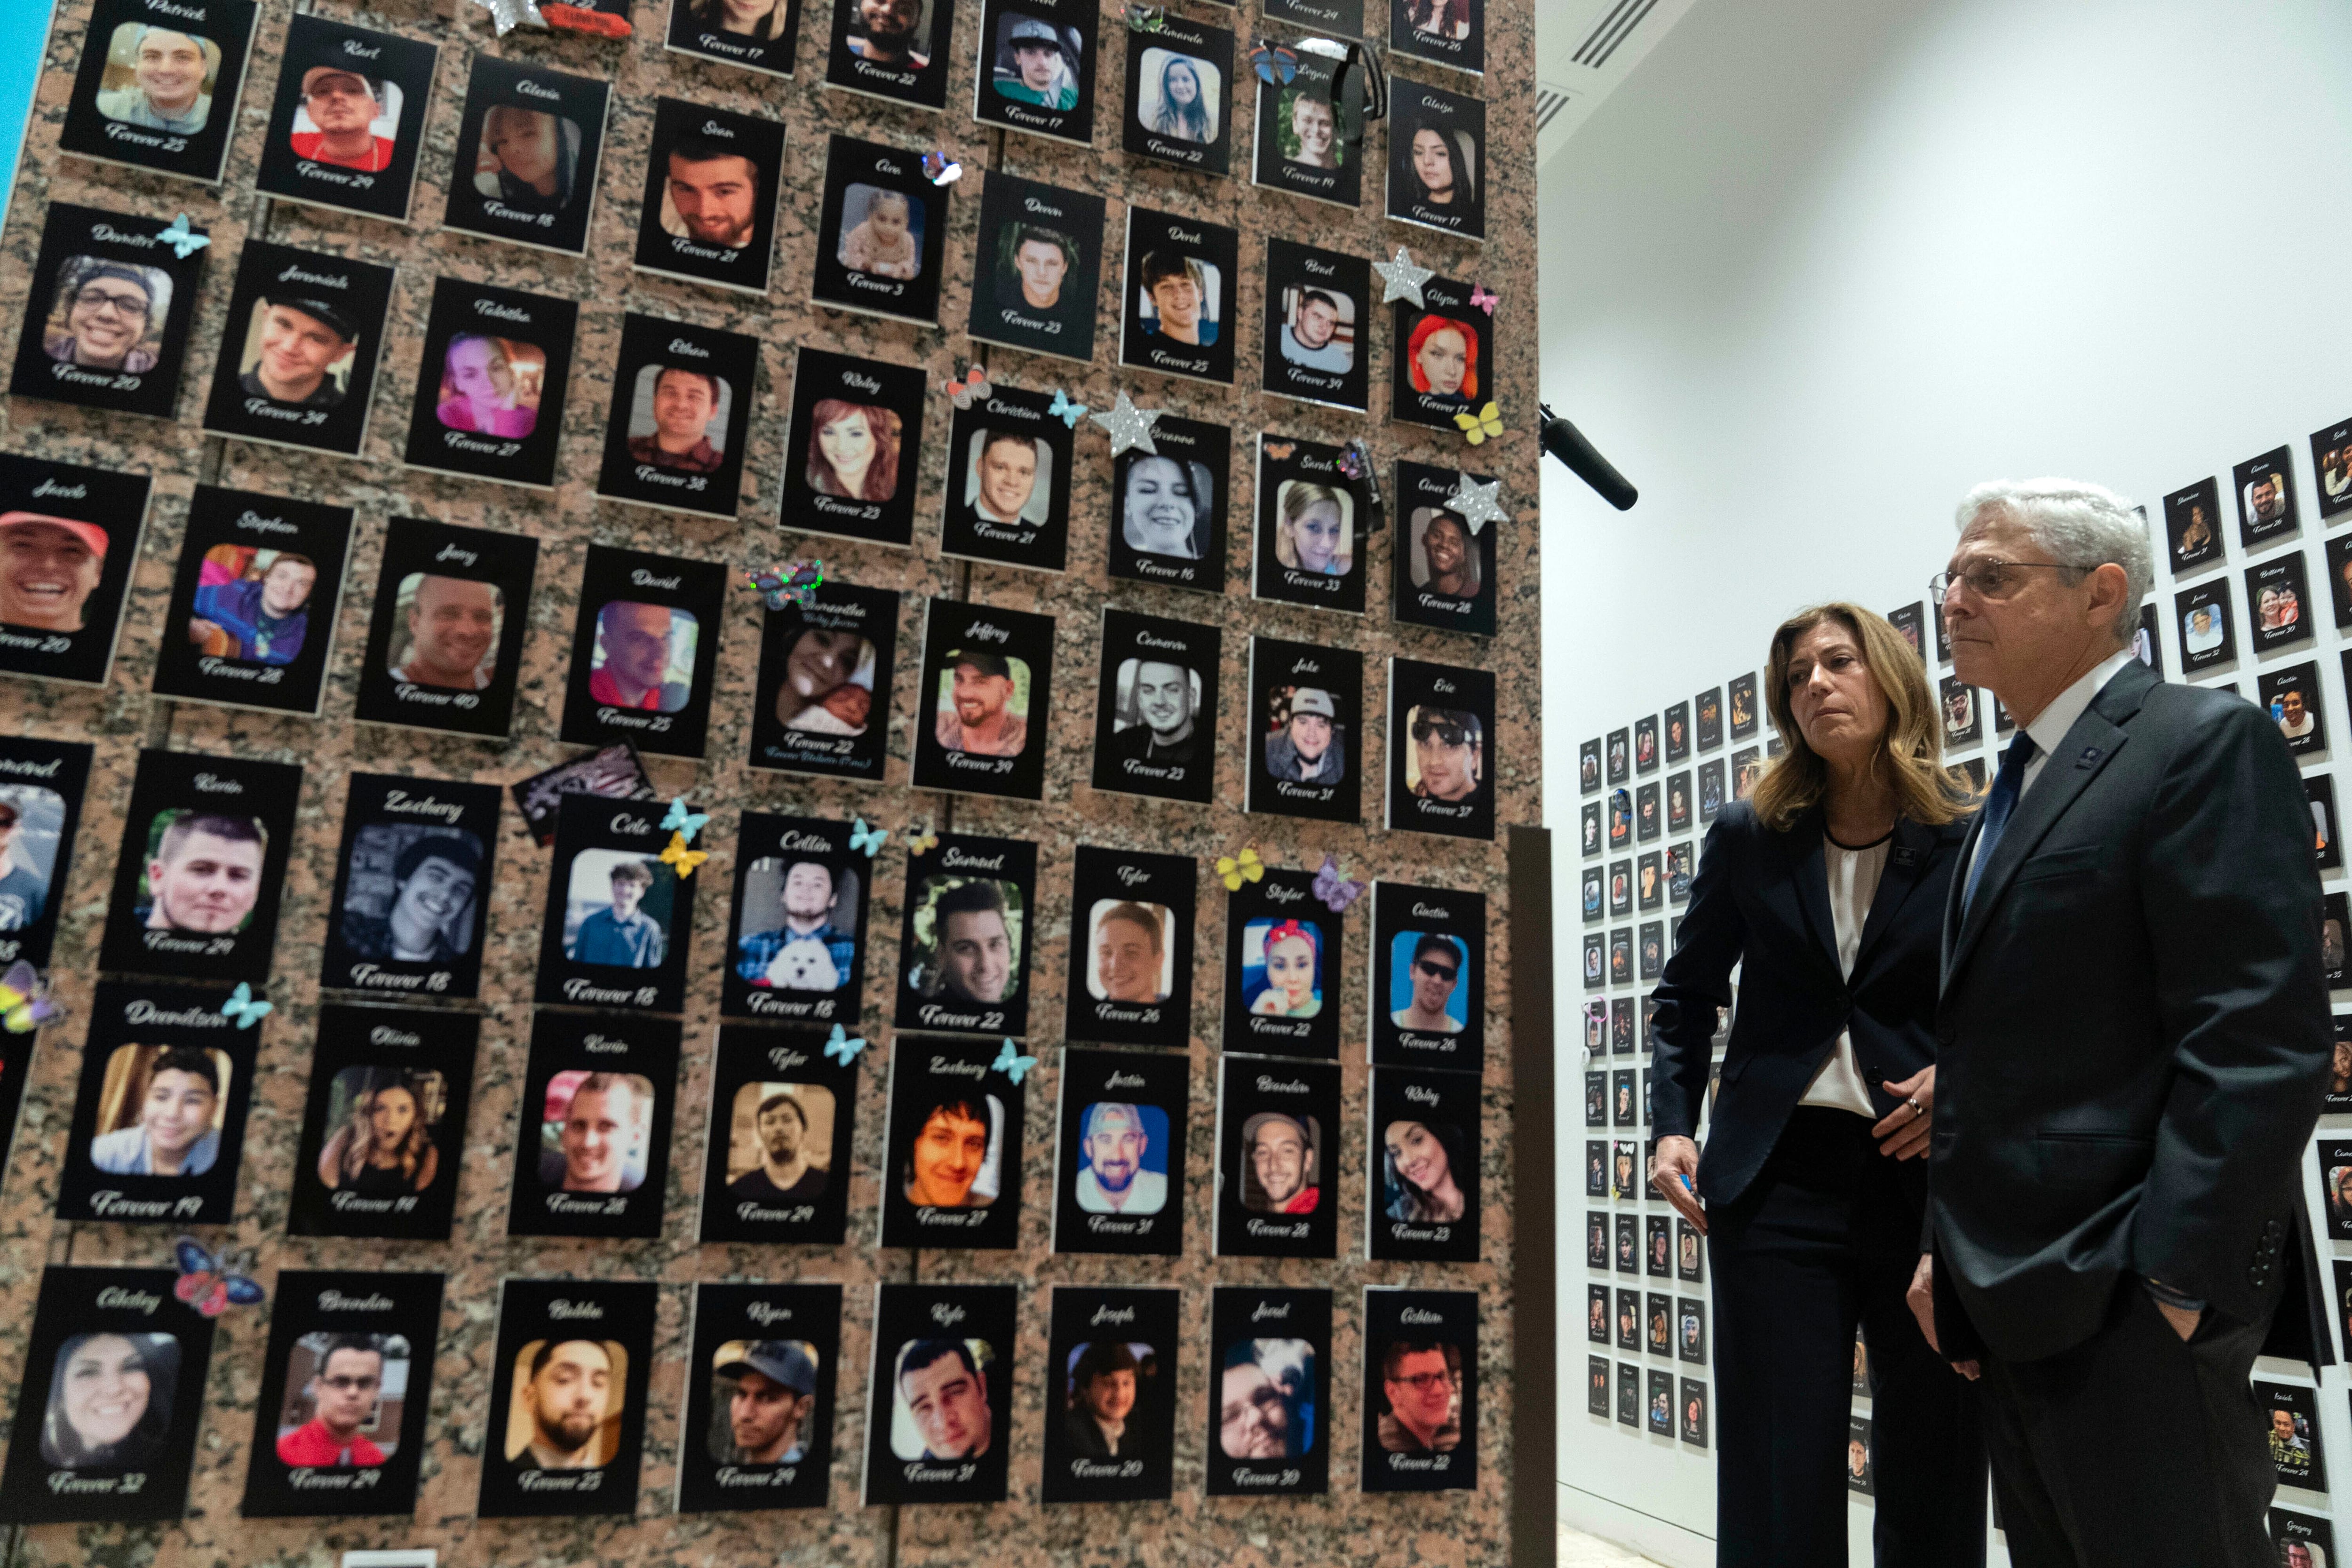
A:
x: 1917, y: 1108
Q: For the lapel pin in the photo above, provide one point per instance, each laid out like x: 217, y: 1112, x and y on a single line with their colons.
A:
x: 2090, y: 757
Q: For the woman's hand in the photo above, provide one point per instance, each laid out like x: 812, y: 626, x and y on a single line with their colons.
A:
x: 1904, y: 1133
x: 1672, y: 1169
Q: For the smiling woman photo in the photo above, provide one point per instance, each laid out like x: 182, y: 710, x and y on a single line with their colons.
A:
x: 109, y: 1402
x: 1417, y: 1161
x: 853, y: 450
x: 1160, y: 513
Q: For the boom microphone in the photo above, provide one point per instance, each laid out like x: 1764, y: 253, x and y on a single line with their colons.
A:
x: 1567, y: 443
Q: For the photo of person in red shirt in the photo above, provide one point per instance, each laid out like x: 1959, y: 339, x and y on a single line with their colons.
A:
x: 343, y: 107
x: 344, y: 1393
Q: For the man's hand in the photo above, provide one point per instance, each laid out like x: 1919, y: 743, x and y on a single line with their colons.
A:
x: 1903, y: 1134
x: 1921, y: 1298
x: 1672, y: 1168
x: 2184, y: 1322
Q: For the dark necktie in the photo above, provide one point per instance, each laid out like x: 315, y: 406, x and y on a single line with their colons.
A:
x: 2007, y: 785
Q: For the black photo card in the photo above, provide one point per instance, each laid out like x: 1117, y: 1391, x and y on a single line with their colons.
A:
x: 884, y: 231
x: 970, y: 921
x: 761, y: 1384
x: 2319, y: 799
x: 384, y: 1132
x: 1171, y: 505
x: 1589, y: 894
x: 1709, y: 713
x: 1596, y: 1099
x: 1156, y: 707
x: 69, y: 537
x: 2292, y: 698
x: 681, y: 409
x: 1687, y: 1253
x: 1645, y: 743
x: 777, y: 1155
x: 1318, y: 341
x: 1428, y: 1001
x: 2290, y: 1415
x: 445, y: 638
x: 1119, y: 1156
x: 1178, y: 308
x: 1423, y: 1149
x: 1110, y: 1394
x: 1277, y: 1193
x: 339, y: 1428
x: 1421, y: 1390
x: 1710, y: 791
x: 2331, y: 462
x: 592, y: 1157
x: 1678, y: 808
x: 609, y: 773
x: 619, y: 919
x: 2339, y: 578
x: 711, y: 181
x: 254, y: 602
x: 1037, y: 68
x: 202, y: 864
x: 644, y: 651
x: 2192, y: 526
x: 1445, y: 360
x: 74, y: 1460
x: 1648, y: 819
x: 1314, y: 527
x: 1011, y: 469
x: 159, y: 1123
x: 757, y: 35
x: 1589, y: 827
x: 412, y: 879
x: 1179, y: 104
x: 1441, y: 32
x: 2202, y: 616
x: 952, y: 1164
x: 1305, y: 730
x: 2334, y: 1156
x: 158, y: 84
x: 1621, y: 1102
x: 1282, y: 968
x: 1345, y: 17
x: 1628, y: 1395
x: 1692, y: 1418
x: 490, y: 395
x: 796, y: 934
x: 2265, y: 488
x: 1447, y: 574
x: 296, y: 366
x: 1963, y: 716
x: 1442, y: 754
x: 1620, y: 819
x: 1037, y: 266
x: 983, y: 696
x: 1596, y: 1391
x: 349, y: 119
x: 106, y: 319
x: 1437, y: 159
x: 1629, y: 1255
x: 851, y: 455
x: 2278, y: 605
x: 1746, y: 712
x: 1131, y: 966
x: 895, y: 49
x: 1620, y: 956
x: 2289, y: 1529
x: 528, y: 145
x: 1588, y: 765
x: 1270, y: 1404
x: 41, y: 786
x: 566, y: 1428
x: 822, y: 703
x: 1311, y: 127
x: 943, y: 1371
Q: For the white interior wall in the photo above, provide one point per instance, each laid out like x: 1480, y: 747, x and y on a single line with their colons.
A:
x: 1818, y: 267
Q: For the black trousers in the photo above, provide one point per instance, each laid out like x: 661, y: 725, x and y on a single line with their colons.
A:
x: 1825, y: 1239
x: 2133, y: 1448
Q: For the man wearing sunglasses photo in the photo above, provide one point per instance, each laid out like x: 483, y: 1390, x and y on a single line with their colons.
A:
x: 1447, y: 750
x: 1436, y: 966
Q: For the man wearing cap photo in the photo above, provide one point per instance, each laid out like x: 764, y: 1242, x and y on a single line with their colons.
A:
x: 1309, y: 748
x: 345, y: 106
x: 167, y: 84
x: 1448, y: 753
x: 770, y: 1386
x: 684, y: 402
x: 978, y: 716
x: 301, y: 340
x: 1041, y: 72
x: 49, y: 566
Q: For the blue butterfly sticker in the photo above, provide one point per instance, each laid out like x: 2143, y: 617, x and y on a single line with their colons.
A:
x: 246, y: 1007
x: 185, y: 241
x: 867, y: 838
x: 843, y: 1047
x: 681, y: 820
x: 1012, y: 1063
x: 208, y: 1284
x: 1067, y: 412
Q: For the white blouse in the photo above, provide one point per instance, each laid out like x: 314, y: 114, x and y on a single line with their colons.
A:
x: 1853, y: 883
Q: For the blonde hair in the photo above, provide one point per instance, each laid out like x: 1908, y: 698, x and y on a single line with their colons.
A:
x: 1926, y: 791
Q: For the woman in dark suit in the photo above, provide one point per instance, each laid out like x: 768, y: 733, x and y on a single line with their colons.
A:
x: 1826, y: 888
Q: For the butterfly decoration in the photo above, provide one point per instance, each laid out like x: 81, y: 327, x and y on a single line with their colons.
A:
x: 1354, y: 461
x: 245, y: 1007
x: 974, y: 390
x: 794, y: 585
x: 843, y: 1047
x: 1067, y: 412
x: 25, y: 1004
x: 208, y: 1283
x: 1280, y: 451
x: 940, y: 169
x: 1336, y: 891
x: 684, y: 823
x: 1145, y: 18
x: 184, y: 242
x: 1482, y: 299
x: 1482, y: 426
x: 1234, y: 869
x: 1275, y: 66
x: 921, y: 840
x: 867, y: 838
x: 1012, y: 1063
x: 675, y: 855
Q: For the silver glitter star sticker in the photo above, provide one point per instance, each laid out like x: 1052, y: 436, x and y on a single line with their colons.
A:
x: 1128, y: 426
x: 1474, y: 503
x: 509, y: 15
x: 1401, y: 278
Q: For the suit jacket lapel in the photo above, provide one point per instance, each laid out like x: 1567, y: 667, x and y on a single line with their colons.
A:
x: 1811, y: 871
x: 1906, y: 862
x: 1952, y: 899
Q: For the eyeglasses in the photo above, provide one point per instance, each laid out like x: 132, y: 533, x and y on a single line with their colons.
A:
x: 1438, y: 971
x: 1423, y: 1382
x: 351, y: 1385
x: 1447, y: 735
x: 1991, y: 579
x: 132, y: 305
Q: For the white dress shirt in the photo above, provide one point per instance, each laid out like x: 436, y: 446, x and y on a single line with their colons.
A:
x: 1853, y: 881
x: 2050, y: 725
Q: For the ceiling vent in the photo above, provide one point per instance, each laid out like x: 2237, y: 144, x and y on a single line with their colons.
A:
x: 1550, y: 99
x: 1611, y: 31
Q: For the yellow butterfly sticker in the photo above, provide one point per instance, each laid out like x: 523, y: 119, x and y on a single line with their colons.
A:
x: 1234, y: 869
x: 922, y: 841
x: 679, y: 856
x: 1477, y: 428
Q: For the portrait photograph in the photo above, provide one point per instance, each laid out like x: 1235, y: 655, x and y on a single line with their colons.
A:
x: 891, y: 50
x: 1588, y: 768
x: 348, y: 121
x: 592, y: 1150
x: 254, y: 602
x: 882, y: 233
x: 1171, y: 505
x: 1628, y: 1236
x: 41, y: 787
x: 1156, y: 707
x: 1437, y: 159
x: 105, y: 317
x: 762, y: 1378
x: 822, y: 704
x: 1620, y: 956
x: 941, y: 1370
x: 565, y: 1423
x: 757, y: 35
x: 776, y: 1155
x: 490, y: 395
x: 1593, y: 979
x: 983, y: 700
x: 1282, y: 968
x: 158, y: 84
x: 1706, y: 711
x: 798, y: 922
x: 1119, y: 1159
x: 1710, y: 791
x: 712, y: 180
x: 383, y: 1127
x: 111, y: 1398
x: 1277, y: 1158
x: 1011, y: 467
x: 1687, y: 1253
x: 1270, y: 1392
x: 1596, y: 1098
x: 1588, y: 817
x: 1423, y: 1151
x: 411, y: 878
x: 296, y: 366
x: 1306, y: 713
x: 1596, y: 1395
x: 619, y: 919
x: 2265, y: 489
x: 2201, y: 614
x: 2290, y: 1415
x: 1131, y: 966
x: 852, y: 447
x: 445, y: 628
x: 1428, y: 1005
x: 1313, y: 527
x: 201, y: 868
x: 1178, y: 105
x: 2277, y: 605
x: 159, y: 1118
x: 69, y: 537
x: 1620, y: 756
x: 1743, y: 710
x: 1037, y: 71
x: 1591, y: 894
x: 339, y: 1428
x: 2335, y: 1157
x: 1110, y: 1394
x: 1315, y: 347
x: 1310, y: 132
x: 1442, y: 757
x: 964, y: 946
x: 2193, y: 528
x: 1962, y: 707
x: 1038, y: 264
x: 1177, y: 314
x: 1421, y: 1390
x: 952, y: 1171
x: 1441, y: 32
x: 2331, y: 461
x: 529, y: 144
x: 681, y: 409
x: 2303, y: 1540
x: 1445, y: 577
x: 1623, y: 1025
x: 2319, y: 799
x: 644, y: 651
x: 2339, y: 578
x: 2293, y: 698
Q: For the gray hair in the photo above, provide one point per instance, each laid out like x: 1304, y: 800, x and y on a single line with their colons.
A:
x: 2083, y: 525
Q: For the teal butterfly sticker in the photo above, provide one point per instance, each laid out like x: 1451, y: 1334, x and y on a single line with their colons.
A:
x: 1012, y: 1063
x: 185, y: 241
x: 867, y: 838
x: 843, y: 1046
x: 245, y: 1007
x: 682, y: 821
x: 1067, y: 412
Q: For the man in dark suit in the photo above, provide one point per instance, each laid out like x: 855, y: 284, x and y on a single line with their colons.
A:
x: 2134, y: 1038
